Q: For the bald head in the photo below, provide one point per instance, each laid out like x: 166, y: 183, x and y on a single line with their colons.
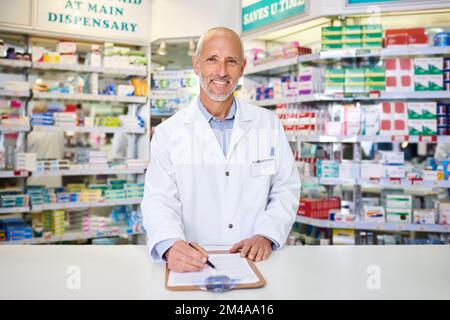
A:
x: 218, y: 31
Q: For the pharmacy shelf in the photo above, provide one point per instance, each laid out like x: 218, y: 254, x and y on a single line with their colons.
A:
x: 14, y: 210
x: 286, y: 65
x: 383, y: 53
x: 375, y: 139
x: 88, y: 172
x: 89, y: 129
x: 14, y: 94
x: 72, y: 236
x: 378, y: 182
x: 14, y: 128
x: 363, y: 225
x: 82, y: 205
x: 88, y: 97
x: 133, y: 71
x: 162, y: 115
x: 272, y: 68
x: 13, y: 174
x: 426, y: 95
x: 14, y: 64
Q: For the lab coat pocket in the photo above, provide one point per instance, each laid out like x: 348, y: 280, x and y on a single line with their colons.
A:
x: 264, y: 167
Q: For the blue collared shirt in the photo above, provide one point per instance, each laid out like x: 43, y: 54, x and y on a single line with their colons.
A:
x: 222, y: 130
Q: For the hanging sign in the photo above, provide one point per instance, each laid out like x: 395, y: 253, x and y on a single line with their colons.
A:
x: 265, y: 12
x: 123, y: 19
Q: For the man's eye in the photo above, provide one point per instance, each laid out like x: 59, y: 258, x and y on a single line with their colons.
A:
x: 232, y: 61
x: 212, y: 59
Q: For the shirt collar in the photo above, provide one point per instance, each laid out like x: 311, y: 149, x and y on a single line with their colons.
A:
x: 210, y: 117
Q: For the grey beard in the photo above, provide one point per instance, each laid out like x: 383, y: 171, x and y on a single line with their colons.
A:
x: 212, y: 96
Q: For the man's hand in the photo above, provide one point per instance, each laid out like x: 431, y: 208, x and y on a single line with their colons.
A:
x: 183, y: 258
x: 256, y: 248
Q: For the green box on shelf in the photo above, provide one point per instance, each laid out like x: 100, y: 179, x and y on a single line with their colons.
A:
x: 372, y: 29
x: 374, y: 87
x: 352, y: 45
x: 421, y: 83
x: 332, y: 39
x: 331, y: 31
x: 335, y: 74
x: 355, y: 73
x: 378, y: 44
x: 331, y: 46
x: 352, y: 30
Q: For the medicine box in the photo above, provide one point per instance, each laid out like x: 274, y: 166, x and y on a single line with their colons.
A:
x: 424, y: 216
x: 67, y: 47
x: 349, y: 170
x: 398, y: 201
x: 392, y: 157
x: 374, y: 214
x: 393, y: 171
x: 421, y: 82
x: 371, y: 170
x: 429, y: 127
x: 415, y: 127
x: 444, y: 213
x: 398, y: 215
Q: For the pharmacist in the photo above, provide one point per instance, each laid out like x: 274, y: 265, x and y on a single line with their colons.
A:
x: 221, y: 170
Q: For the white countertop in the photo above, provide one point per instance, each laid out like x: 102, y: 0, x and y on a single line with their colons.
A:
x: 312, y: 272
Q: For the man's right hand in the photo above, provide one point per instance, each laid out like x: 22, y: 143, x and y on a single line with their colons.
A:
x: 183, y: 258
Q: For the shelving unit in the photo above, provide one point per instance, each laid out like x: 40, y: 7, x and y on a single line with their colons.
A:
x: 382, y: 96
x: 261, y: 73
x: 71, y: 236
x: 79, y: 129
x: 361, y: 225
x: 88, y: 97
x: 137, y: 138
x: 286, y: 65
x: 83, y: 205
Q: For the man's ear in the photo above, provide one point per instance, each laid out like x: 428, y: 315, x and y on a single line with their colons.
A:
x: 195, y: 65
x: 244, y: 64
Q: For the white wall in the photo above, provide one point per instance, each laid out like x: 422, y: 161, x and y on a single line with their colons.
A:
x: 182, y: 19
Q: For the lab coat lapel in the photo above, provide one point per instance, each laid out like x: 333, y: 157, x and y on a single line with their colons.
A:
x: 199, y: 126
x: 242, y: 124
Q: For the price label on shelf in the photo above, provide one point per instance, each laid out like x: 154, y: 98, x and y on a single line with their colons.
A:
x: 399, y: 138
x: 428, y: 138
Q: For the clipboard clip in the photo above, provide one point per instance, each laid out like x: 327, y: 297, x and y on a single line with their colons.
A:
x: 218, y: 284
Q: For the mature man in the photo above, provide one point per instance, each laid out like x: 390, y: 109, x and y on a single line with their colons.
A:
x: 221, y: 170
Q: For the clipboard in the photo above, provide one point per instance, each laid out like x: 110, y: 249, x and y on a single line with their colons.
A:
x: 261, y: 281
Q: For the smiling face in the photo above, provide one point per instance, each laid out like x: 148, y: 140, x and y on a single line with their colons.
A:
x: 219, y: 65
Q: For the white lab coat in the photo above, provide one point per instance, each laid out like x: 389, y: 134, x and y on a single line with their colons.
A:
x: 195, y: 193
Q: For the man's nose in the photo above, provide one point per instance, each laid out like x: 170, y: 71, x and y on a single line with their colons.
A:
x: 222, y: 69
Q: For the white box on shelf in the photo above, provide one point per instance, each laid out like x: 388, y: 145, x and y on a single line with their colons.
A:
x: 394, y: 171
x: 430, y: 175
x: 26, y: 161
x: 70, y: 59
x: 12, y: 85
x: 399, y: 201
x: 444, y: 213
x: 125, y: 90
x: 67, y: 47
x: 392, y: 157
x: 375, y: 214
x: 398, y: 215
x: 349, y: 170
x: 424, y: 216
x: 371, y: 170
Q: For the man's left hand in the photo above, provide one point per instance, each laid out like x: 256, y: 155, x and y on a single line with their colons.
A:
x: 256, y: 248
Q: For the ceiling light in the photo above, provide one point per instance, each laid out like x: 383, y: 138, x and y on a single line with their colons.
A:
x: 191, y: 50
x: 162, y: 51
